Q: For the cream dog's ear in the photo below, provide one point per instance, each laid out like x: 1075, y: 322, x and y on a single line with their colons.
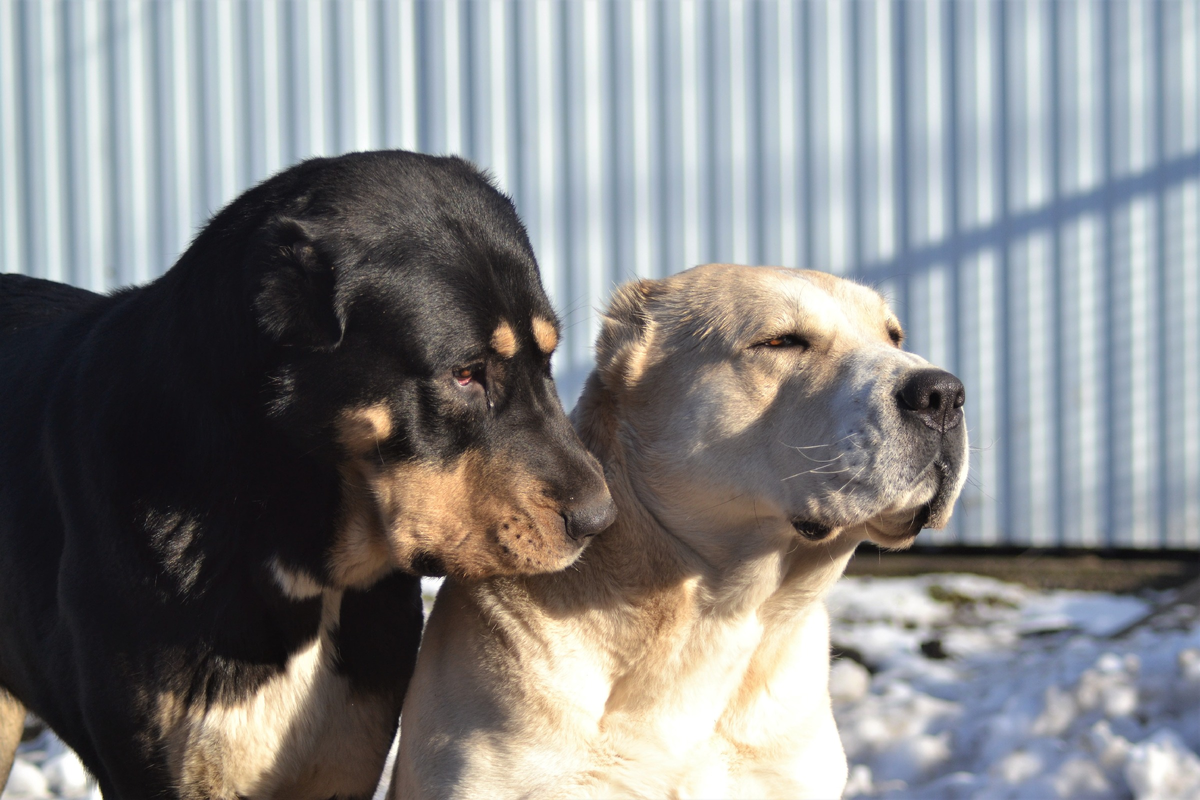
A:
x: 625, y: 335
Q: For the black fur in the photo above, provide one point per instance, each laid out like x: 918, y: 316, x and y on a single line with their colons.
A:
x: 161, y: 445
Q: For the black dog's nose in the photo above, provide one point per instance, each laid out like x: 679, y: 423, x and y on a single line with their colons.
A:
x: 589, y: 518
x: 935, y: 396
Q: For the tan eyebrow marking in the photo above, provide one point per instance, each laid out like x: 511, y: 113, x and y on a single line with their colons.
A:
x: 361, y: 429
x: 504, y: 340
x: 545, y: 334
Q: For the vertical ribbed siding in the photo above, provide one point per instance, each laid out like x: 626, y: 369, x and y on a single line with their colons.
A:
x: 1021, y: 178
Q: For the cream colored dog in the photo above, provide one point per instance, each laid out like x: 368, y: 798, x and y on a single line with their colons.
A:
x: 755, y: 424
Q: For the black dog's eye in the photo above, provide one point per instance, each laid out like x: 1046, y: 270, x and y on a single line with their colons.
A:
x: 787, y: 340
x: 465, y: 376
x: 896, y: 335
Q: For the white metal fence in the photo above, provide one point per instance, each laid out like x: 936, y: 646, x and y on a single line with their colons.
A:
x: 1022, y: 178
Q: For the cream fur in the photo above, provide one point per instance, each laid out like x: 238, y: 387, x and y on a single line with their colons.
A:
x: 299, y: 737
x: 686, y: 654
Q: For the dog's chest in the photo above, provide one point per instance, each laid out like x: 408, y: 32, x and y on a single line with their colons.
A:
x: 304, y: 733
x: 754, y: 723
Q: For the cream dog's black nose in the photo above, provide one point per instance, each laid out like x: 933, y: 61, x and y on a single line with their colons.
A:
x: 934, y: 396
x: 589, y: 518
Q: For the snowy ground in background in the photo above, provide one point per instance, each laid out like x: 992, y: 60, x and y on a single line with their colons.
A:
x: 957, y: 686
x: 982, y: 689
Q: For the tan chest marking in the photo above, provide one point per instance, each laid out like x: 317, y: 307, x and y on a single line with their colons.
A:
x: 305, y: 734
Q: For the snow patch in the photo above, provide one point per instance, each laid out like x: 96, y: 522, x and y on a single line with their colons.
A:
x: 989, y: 690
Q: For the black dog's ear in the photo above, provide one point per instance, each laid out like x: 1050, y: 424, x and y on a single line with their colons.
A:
x: 295, y: 302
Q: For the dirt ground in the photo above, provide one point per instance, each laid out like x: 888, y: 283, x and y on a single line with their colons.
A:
x: 1102, y: 570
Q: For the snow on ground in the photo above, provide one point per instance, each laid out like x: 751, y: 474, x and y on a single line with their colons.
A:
x: 981, y: 689
x: 951, y: 687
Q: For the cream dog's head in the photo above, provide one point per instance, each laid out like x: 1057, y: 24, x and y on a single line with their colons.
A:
x: 771, y: 395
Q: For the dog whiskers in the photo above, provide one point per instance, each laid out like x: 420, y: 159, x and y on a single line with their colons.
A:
x: 978, y: 484
x: 575, y: 306
x: 978, y: 448
x: 822, y: 460
x: 801, y: 448
x: 815, y: 471
x: 578, y: 321
x: 852, y: 479
x: 814, y: 446
x: 723, y: 502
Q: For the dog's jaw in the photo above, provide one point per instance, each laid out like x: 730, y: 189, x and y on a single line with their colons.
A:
x: 898, y: 527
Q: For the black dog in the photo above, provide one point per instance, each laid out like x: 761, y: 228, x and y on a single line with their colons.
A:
x: 216, y: 490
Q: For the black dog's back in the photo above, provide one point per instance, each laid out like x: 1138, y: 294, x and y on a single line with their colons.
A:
x: 25, y: 301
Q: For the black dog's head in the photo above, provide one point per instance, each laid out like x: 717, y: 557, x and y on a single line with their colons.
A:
x: 409, y: 340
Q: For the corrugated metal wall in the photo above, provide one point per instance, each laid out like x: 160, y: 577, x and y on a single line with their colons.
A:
x: 1022, y: 178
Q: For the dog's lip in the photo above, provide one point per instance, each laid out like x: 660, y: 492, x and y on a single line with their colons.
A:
x: 922, y: 516
x: 811, y: 530
x: 888, y: 536
x: 935, y: 509
x: 919, y: 520
x: 816, y: 531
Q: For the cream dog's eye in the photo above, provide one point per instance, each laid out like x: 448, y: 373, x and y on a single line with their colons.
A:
x: 787, y: 340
